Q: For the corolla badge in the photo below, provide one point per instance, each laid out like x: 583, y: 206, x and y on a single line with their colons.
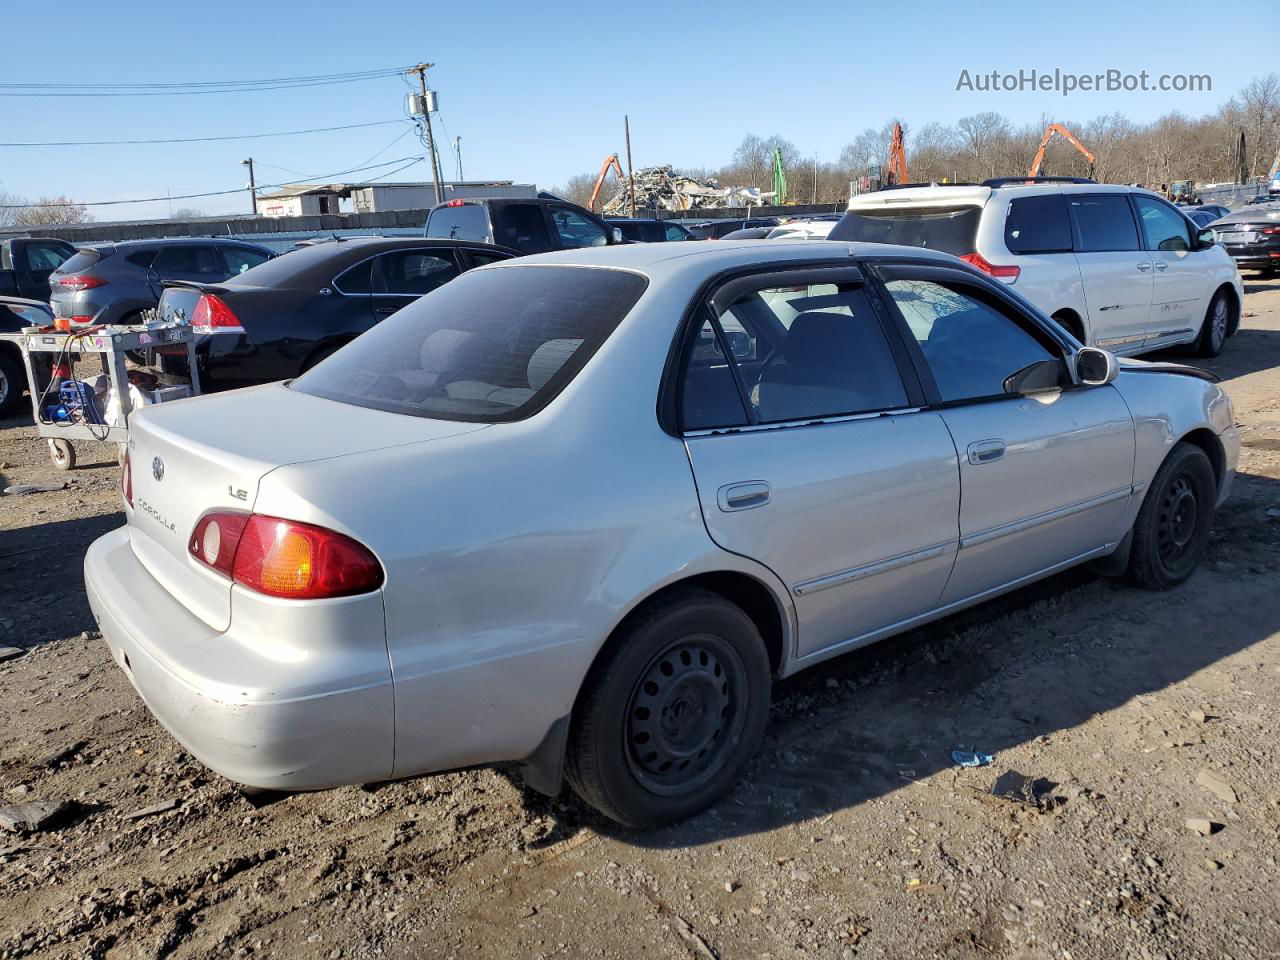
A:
x: 157, y: 469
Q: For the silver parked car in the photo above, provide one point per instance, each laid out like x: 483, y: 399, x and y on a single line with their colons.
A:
x: 578, y: 510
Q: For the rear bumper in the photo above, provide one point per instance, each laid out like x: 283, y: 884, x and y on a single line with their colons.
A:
x: 255, y: 708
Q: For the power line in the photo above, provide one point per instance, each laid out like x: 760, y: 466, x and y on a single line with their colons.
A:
x: 242, y: 136
x: 211, y: 193
x: 188, y: 88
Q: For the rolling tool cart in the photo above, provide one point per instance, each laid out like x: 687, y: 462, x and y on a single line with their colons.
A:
x: 68, y: 409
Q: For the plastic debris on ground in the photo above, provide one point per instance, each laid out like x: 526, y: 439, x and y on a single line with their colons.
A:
x: 661, y: 188
x: 971, y: 758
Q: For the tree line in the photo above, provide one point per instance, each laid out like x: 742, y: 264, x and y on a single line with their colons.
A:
x: 1173, y: 147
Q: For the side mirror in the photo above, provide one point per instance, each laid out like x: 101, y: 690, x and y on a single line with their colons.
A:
x: 1036, y: 377
x: 1095, y: 367
x: 1206, y: 238
x: 8, y: 283
x: 615, y: 235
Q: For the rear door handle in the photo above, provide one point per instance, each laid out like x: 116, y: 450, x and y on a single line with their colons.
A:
x: 1161, y: 265
x: 743, y: 496
x: 385, y: 311
x: 1144, y: 267
x: 986, y: 451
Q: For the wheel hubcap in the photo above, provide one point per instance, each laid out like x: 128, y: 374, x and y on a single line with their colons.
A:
x: 1179, y: 513
x: 682, y: 714
x: 1219, y: 322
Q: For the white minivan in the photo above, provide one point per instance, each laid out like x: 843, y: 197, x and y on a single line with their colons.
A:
x: 1118, y: 267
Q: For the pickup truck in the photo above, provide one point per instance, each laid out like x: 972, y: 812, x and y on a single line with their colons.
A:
x: 530, y: 225
x: 16, y: 313
x: 26, y: 262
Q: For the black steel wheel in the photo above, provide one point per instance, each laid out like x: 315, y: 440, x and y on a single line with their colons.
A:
x: 683, y: 707
x: 1173, y: 525
x: 12, y: 382
x: 671, y: 711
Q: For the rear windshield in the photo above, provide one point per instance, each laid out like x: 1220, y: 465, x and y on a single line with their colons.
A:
x: 80, y: 260
x: 493, y: 345
x: 466, y: 222
x: 952, y: 230
x: 641, y: 232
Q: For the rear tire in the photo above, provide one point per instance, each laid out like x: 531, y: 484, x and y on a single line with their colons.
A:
x: 12, y: 382
x: 1071, y: 323
x: 672, y: 712
x: 1172, y: 528
x: 1216, y: 326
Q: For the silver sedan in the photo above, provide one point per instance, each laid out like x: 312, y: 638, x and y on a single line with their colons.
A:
x: 577, y: 511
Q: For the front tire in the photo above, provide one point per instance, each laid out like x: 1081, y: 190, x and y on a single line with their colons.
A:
x: 672, y: 712
x: 1172, y: 528
x: 1216, y: 326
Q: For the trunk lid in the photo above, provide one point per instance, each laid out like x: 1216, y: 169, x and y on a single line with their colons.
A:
x: 188, y: 457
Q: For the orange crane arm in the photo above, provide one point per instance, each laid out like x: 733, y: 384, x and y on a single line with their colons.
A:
x: 1067, y: 135
x: 610, y: 161
x: 897, y: 172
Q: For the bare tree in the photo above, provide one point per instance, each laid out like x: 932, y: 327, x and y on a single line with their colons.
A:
x: 48, y: 211
x: 1260, y: 101
x: 186, y: 213
x: 7, y: 201
x: 982, y: 136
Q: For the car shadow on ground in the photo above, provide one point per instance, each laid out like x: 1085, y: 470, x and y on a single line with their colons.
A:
x: 1032, y: 664
x: 1249, y: 351
x: 42, y: 579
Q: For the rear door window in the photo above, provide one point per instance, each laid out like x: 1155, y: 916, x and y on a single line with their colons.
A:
x: 142, y: 258
x: 1102, y: 223
x: 522, y: 225
x: 493, y: 345
x: 464, y: 222
x: 673, y: 232
x: 1038, y: 225
x: 240, y: 259
x: 952, y: 230
x: 189, y: 260
x: 411, y: 273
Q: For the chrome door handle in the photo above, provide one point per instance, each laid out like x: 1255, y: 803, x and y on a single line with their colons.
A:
x: 743, y: 496
x: 1144, y: 267
x: 1161, y: 265
x: 986, y: 451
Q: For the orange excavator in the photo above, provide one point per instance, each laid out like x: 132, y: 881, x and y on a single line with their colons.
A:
x: 896, y: 172
x: 610, y: 161
x: 1067, y: 135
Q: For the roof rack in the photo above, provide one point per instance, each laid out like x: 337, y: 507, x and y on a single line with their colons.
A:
x: 932, y: 183
x: 1005, y: 181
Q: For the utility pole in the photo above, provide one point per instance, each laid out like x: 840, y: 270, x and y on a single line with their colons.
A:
x: 631, y: 180
x: 421, y: 70
x: 457, y: 152
x: 253, y: 190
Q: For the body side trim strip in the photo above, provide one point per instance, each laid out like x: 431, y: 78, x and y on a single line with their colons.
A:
x: 1017, y: 526
x: 871, y: 569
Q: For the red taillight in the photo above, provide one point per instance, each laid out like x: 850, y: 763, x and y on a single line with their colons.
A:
x: 1006, y: 274
x: 126, y: 480
x: 456, y: 203
x: 81, y: 282
x: 1270, y: 230
x: 215, y: 538
x: 212, y: 314
x: 284, y: 558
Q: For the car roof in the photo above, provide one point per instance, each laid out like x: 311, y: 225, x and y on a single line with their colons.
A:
x: 721, y: 255
x: 978, y: 194
x: 171, y: 241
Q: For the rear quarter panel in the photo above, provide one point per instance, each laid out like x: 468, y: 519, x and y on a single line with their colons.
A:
x: 1051, y: 281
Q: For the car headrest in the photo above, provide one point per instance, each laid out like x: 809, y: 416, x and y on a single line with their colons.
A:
x: 440, y: 349
x: 819, y: 339
x: 549, y: 358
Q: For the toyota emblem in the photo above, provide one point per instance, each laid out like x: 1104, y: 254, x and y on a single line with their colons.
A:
x: 157, y: 469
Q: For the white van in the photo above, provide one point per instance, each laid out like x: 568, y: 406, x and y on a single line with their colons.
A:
x: 1118, y: 267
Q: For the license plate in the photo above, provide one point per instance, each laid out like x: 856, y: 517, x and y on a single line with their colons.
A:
x: 1245, y: 236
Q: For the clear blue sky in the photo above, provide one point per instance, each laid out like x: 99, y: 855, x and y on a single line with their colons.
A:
x: 537, y: 91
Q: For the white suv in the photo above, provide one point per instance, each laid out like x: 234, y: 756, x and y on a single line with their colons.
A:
x: 1117, y: 266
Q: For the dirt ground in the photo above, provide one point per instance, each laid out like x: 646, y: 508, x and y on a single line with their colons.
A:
x: 852, y: 835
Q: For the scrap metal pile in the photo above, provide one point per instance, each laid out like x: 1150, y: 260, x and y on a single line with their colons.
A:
x: 661, y: 188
